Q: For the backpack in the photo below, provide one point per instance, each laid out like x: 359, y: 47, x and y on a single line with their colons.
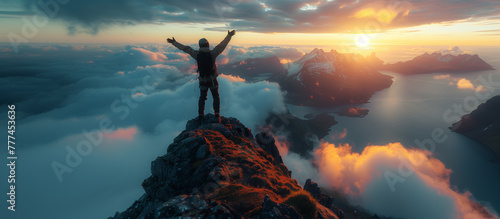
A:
x: 206, y: 65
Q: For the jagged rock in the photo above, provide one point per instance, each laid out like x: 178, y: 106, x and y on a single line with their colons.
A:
x: 315, y: 191
x: 182, y: 205
x: 312, y: 188
x: 272, y: 210
x: 323, y: 199
x: 268, y: 143
x: 216, y: 169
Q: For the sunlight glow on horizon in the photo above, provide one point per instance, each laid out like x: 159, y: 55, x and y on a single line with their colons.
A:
x: 359, y: 24
x: 362, y: 40
x: 463, y: 32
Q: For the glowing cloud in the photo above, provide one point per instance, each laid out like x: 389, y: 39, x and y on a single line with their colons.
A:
x: 465, y: 84
x: 154, y: 56
x: 232, y: 78
x: 447, y: 77
x: 124, y: 134
x: 282, y: 144
x: 408, y: 173
x: 462, y: 83
x: 381, y: 12
x: 454, y: 50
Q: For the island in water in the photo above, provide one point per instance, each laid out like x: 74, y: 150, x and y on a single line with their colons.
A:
x: 437, y: 62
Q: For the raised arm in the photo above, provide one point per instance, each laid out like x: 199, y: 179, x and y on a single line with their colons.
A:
x: 222, y: 45
x: 186, y: 49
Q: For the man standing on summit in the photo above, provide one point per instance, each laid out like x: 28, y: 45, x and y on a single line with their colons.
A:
x: 207, y: 69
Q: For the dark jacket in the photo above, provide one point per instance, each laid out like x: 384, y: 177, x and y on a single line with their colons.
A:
x: 215, y: 52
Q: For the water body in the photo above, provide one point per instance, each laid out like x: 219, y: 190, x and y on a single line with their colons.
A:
x: 411, y: 109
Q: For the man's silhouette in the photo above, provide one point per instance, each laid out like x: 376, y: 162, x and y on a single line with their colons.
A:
x: 207, y: 69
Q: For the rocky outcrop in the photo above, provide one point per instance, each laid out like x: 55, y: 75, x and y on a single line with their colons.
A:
x: 347, y: 211
x: 267, y: 143
x: 323, y: 199
x: 315, y: 191
x: 271, y: 209
x: 482, y: 124
x: 219, y: 170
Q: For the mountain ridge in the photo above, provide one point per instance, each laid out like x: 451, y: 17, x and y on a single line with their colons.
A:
x: 437, y: 62
x: 219, y: 170
x: 318, y: 78
x: 331, y: 78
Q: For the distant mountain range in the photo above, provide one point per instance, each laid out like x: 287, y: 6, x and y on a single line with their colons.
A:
x: 254, y: 69
x: 437, y: 62
x: 319, y: 78
x: 331, y: 78
x: 322, y: 78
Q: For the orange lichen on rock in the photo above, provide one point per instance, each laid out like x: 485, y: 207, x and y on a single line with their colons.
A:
x: 217, y: 168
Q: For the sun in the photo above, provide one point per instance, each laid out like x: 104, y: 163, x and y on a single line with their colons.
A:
x: 362, y: 40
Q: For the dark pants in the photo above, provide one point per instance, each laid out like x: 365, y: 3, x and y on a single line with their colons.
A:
x: 203, y: 97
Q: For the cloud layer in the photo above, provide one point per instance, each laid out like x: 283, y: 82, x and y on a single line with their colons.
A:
x: 389, y: 180
x: 461, y: 83
x: 142, y: 95
x: 268, y: 16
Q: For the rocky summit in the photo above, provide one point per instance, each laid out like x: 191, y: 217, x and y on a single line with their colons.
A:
x: 216, y: 168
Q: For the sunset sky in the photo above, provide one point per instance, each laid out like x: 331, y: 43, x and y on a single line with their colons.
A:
x: 69, y: 65
x: 268, y: 22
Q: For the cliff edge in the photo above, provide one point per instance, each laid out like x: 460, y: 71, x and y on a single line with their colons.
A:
x: 220, y: 170
x: 482, y: 124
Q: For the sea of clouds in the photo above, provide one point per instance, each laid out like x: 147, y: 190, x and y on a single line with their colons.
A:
x: 119, y: 107
x: 128, y: 102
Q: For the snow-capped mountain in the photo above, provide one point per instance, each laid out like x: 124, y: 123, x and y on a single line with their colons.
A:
x: 437, y: 62
x: 322, y: 78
